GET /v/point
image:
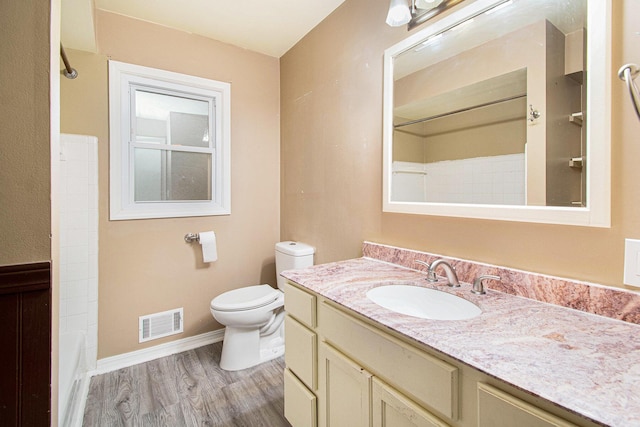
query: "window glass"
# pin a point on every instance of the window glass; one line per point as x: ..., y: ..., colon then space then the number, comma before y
x: 175, y: 119
x: 171, y: 175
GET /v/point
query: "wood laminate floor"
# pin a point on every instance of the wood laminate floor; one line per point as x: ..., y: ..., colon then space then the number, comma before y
x: 188, y: 389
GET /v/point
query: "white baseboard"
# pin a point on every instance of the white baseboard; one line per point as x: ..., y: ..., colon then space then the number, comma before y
x: 113, y: 363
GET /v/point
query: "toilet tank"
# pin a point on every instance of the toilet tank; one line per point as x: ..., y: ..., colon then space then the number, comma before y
x: 292, y: 255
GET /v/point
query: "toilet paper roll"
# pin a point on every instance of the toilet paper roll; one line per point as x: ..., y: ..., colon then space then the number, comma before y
x: 208, y: 242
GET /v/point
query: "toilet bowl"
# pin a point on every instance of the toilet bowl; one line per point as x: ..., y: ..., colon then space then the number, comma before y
x: 253, y: 316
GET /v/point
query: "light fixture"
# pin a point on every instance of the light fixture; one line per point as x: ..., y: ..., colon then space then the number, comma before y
x: 399, y: 13
x: 415, y: 12
x: 427, y: 4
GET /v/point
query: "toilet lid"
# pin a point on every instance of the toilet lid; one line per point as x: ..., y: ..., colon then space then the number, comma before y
x: 245, y: 298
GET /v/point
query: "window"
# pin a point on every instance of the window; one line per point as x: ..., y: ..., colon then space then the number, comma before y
x: 169, y: 144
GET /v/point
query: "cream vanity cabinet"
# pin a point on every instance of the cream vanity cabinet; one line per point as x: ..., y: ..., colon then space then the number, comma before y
x: 350, y: 395
x: 301, y: 358
x: 342, y: 371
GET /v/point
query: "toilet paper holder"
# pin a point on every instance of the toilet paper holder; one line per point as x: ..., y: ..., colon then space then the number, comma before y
x: 192, y: 237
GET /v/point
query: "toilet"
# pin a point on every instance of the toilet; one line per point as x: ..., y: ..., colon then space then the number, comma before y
x: 253, y: 316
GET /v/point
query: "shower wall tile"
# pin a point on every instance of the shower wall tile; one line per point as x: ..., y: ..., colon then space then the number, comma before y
x: 482, y: 180
x: 79, y: 239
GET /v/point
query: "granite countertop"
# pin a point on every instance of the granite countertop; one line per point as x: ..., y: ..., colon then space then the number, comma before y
x: 585, y: 363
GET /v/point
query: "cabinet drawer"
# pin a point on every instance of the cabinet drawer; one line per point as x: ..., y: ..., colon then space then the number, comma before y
x: 301, y: 351
x: 427, y: 380
x: 300, y: 304
x: 299, y: 403
x: 499, y: 409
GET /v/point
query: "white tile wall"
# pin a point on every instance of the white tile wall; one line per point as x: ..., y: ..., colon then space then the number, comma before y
x: 79, y: 239
x: 496, y: 180
x: 408, y: 182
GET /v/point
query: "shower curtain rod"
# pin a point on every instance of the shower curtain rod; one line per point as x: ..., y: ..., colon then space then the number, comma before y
x: 627, y: 73
x: 462, y: 110
x: 68, y: 71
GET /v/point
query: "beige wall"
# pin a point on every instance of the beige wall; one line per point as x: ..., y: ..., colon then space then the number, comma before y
x: 331, y: 86
x: 28, y: 48
x: 144, y: 265
x: 408, y: 147
x: 25, y: 213
x: 492, y: 139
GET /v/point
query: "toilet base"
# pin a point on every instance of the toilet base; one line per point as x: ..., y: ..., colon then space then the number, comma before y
x: 274, y: 350
x: 243, y: 348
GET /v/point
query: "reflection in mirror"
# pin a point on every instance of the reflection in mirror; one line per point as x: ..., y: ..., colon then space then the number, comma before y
x: 470, y: 138
x: 466, y: 137
x: 488, y: 107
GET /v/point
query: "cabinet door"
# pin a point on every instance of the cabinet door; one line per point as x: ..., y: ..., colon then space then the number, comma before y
x: 345, y: 390
x: 393, y: 409
x: 499, y: 409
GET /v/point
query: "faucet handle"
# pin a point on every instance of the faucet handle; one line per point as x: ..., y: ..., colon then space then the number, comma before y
x: 478, y: 287
x: 431, y: 275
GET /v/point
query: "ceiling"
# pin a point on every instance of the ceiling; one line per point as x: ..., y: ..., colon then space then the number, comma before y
x: 269, y: 27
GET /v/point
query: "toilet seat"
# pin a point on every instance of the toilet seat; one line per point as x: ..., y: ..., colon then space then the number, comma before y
x: 247, y: 298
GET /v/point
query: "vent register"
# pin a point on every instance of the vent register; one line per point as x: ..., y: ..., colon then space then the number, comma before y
x: 158, y: 325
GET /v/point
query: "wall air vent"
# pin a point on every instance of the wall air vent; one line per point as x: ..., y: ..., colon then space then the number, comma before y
x: 160, y: 325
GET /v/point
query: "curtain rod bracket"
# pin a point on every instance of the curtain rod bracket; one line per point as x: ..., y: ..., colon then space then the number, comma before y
x: 68, y: 72
x: 627, y: 73
x: 70, y: 75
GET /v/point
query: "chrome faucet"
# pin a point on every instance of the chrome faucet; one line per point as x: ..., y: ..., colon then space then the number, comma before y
x: 448, y: 270
x: 478, y: 287
x: 431, y: 275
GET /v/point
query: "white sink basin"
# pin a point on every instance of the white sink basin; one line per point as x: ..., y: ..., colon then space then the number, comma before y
x: 425, y: 303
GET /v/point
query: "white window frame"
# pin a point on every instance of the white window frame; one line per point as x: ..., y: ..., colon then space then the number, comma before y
x: 122, y: 77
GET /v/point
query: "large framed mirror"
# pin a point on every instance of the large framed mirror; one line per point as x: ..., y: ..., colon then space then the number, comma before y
x: 501, y: 110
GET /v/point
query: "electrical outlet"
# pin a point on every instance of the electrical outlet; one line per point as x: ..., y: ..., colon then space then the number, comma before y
x: 632, y: 262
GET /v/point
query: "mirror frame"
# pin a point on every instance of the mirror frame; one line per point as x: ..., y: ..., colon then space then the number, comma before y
x: 597, y: 213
